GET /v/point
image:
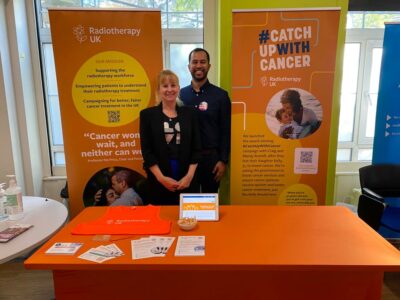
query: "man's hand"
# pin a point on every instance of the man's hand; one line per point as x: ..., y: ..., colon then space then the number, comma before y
x: 219, y: 170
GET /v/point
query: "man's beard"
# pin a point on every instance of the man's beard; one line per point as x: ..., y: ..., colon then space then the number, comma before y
x: 198, y: 79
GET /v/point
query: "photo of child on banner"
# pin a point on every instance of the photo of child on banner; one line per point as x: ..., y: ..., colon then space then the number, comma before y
x: 293, y: 114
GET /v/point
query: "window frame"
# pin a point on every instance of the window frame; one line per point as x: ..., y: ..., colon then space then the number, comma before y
x: 368, y: 39
x: 370, y: 45
x: 179, y: 36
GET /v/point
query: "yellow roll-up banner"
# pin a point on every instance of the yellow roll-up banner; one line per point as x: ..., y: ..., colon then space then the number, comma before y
x: 283, y: 64
x: 106, y: 64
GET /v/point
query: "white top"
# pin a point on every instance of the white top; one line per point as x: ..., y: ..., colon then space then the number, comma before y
x: 309, y: 117
x: 294, y: 133
x: 128, y: 198
x: 46, y: 216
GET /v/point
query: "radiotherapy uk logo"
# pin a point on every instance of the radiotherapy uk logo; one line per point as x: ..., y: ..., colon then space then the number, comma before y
x: 79, y: 33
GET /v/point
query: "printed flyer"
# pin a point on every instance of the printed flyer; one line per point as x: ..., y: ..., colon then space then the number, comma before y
x: 106, y: 64
x: 283, y: 65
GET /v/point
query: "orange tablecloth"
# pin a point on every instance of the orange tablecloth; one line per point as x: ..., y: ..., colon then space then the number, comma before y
x: 301, y: 252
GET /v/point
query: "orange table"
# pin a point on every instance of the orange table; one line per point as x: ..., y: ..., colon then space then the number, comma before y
x: 253, y: 252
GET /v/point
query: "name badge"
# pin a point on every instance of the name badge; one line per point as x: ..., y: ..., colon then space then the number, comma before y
x: 203, y: 106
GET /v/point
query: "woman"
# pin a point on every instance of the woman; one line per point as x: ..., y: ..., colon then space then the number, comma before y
x: 170, y: 141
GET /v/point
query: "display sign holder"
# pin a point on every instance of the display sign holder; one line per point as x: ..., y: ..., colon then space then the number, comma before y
x: 203, y: 207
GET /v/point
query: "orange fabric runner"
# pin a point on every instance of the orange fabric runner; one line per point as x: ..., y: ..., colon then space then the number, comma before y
x: 126, y: 220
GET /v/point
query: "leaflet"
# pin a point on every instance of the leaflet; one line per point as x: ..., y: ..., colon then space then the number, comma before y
x: 13, y: 231
x: 115, y: 250
x: 191, y: 246
x: 64, y: 248
x: 91, y: 256
x: 102, y: 253
x: 153, y: 246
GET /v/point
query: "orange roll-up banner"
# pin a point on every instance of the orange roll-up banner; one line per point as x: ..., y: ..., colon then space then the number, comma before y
x: 283, y: 64
x: 106, y: 64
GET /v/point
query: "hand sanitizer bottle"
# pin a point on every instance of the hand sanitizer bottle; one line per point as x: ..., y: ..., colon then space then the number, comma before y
x: 14, y: 199
x: 3, y: 214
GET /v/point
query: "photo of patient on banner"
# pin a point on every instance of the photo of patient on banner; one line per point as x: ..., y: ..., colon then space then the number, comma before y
x: 114, y: 186
x: 293, y: 114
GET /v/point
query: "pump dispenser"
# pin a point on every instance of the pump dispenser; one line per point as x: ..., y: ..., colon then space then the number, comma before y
x: 14, y: 199
x: 3, y: 214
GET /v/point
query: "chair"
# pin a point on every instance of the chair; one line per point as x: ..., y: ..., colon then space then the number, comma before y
x: 380, y: 186
x: 65, y: 195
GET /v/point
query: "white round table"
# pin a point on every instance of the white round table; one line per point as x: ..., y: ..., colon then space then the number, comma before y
x: 47, y: 217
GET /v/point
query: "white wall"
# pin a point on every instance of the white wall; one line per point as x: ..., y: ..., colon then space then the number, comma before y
x: 346, y: 180
x: 344, y: 184
x: 52, y: 187
x: 10, y: 153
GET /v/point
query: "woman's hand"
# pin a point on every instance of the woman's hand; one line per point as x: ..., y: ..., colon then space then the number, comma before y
x: 187, y: 179
x: 169, y: 183
x: 184, y: 182
x: 97, y: 197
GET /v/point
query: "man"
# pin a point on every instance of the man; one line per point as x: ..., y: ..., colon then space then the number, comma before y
x: 214, y: 109
x: 122, y: 185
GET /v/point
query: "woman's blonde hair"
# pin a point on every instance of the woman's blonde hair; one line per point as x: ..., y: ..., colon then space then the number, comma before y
x: 163, y: 76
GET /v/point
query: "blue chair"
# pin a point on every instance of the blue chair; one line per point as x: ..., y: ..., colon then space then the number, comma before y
x: 379, y: 202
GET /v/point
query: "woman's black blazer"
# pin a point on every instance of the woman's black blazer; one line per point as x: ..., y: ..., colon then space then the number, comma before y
x: 154, y: 146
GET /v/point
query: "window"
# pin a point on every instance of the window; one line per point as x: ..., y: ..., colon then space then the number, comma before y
x: 174, y: 14
x: 360, y: 83
x: 371, y: 19
x: 361, y: 70
x: 177, y: 45
x: 182, y: 23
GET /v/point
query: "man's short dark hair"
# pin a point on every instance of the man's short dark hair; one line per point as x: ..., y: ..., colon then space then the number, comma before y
x: 199, y: 50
